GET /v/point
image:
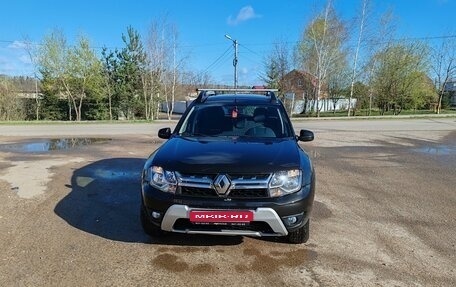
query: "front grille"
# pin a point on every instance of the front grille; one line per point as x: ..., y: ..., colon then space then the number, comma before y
x: 197, y: 176
x: 259, y: 226
x: 198, y: 192
x: 242, y: 185
x: 249, y: 193
x: 260, y: 176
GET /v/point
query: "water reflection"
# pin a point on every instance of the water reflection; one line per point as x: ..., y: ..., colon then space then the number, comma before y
x: 51, y: 145
x: 437, y: 150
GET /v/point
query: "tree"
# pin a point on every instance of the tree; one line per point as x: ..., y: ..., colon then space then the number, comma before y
x: 276, y: 65
x: 11, y: 107
x: 398, y: 70
x: 173, y: 70
x: 361, y: 93
x: 71, y: 72
x: 132, y: 62
x: 84, y: 74
x: 378, y: 40
x: 362, y: 21
x: 422, y: 94
x: 321, y: 48
x: 31, y: 52
x: 443, y: 65
x: 156, y: 52
x: 165, y: 65
x: 271, y: 74
x: 193, y: 80
x: 109, y: 75
x: 53, y: 66
x: 338, y: 81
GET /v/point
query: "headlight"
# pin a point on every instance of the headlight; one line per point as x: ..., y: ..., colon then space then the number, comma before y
x: 162, y: 179
x: 285, y: 182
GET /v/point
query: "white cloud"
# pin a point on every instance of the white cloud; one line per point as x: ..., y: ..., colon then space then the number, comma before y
x: 17, y: 45
x: 14, y: 62
x: 246, y: 13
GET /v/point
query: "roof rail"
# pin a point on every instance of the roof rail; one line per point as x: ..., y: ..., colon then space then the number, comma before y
x: 205, y: 93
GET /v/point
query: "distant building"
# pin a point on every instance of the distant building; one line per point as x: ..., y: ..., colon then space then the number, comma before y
x: 300, y: 83
x: 258, y: 87
x: 300, y: 88
x: 29, y: 94
x: 450, y: 88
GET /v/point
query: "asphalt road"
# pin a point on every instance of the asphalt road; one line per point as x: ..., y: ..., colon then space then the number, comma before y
x: 384, y: 213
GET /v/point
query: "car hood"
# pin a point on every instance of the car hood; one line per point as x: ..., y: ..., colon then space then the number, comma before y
x: 201, y: 155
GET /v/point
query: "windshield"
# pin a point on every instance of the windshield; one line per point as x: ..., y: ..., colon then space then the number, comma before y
x: 236, y: 120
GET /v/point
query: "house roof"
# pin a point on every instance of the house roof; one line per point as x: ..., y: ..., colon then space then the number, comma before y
x: 313, y: 80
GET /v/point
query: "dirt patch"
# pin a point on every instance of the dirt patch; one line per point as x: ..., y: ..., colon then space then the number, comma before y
x: 30, y: 178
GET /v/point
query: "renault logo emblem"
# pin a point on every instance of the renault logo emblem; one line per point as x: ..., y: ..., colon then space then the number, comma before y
x: 222, y: 184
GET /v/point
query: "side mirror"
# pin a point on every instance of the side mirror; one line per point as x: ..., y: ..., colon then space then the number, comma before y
x: 306, y: 136
x: 164, y: 133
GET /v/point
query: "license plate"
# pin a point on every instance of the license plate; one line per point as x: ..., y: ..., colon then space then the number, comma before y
x: 220, y: 216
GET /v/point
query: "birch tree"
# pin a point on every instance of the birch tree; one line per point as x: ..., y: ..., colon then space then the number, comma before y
x: 362, y: 21
x: 376, y: 41
x: 321, y: 48
x: 84, y: 74
x: 156, y: 52
x: 68, y: 71
x: 53, y: 66
x: 165, y: 65
x: 32, y: 54
x: 443, y: 65
x: 174, y: 71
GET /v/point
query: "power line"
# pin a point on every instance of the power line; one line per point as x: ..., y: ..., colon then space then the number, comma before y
x: 243, y: 56
x: 217, y: 60
x: 252, y: 44
x: 250, y: 50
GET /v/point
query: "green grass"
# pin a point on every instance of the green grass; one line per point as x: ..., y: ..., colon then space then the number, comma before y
x: 364, y: 113
x: 74, y: 122
x: 359, y: 113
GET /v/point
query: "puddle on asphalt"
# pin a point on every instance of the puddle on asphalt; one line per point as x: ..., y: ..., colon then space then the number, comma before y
x: 116, y: 174
x: 437, y: 150
x: 47, y: 145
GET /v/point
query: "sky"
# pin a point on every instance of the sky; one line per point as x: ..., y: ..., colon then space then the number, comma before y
x: 202, y: 26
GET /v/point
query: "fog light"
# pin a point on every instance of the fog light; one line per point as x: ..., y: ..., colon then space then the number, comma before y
x: 156, y: 215
x: 292, y: 220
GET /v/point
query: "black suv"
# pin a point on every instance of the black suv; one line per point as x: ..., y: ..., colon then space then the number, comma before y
x: 232, y: 166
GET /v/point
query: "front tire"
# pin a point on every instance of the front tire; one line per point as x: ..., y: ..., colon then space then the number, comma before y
x: 300, y: 235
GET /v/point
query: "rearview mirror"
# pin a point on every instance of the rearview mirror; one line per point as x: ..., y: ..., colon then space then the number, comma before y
x: 306, y: 136
x: 164, y: 133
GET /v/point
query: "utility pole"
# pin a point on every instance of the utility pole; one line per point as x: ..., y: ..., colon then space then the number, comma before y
x: 235, y: 60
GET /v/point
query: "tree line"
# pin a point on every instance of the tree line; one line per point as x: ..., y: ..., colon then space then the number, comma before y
x: 360, y: 59
x: 363, y: 59
x: 74, y: 83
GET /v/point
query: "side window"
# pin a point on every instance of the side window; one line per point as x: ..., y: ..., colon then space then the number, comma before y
x: 187, y: 126
x: 287, y: 131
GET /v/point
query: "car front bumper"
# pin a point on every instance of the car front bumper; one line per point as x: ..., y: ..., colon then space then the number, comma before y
x: 172, y: 212
x: 266, y: 215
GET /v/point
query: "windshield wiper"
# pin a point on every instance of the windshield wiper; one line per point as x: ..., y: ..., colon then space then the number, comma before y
x: 187, y: 134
